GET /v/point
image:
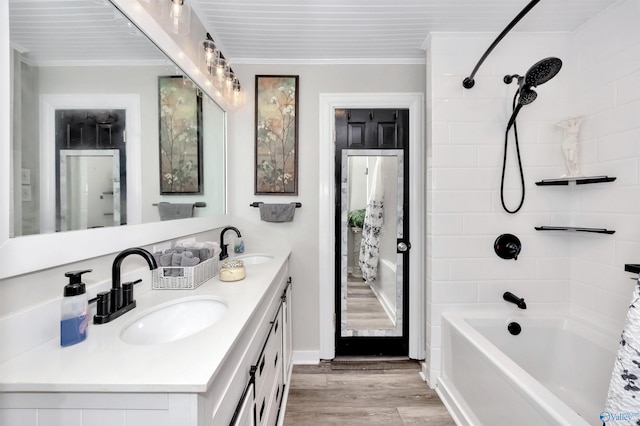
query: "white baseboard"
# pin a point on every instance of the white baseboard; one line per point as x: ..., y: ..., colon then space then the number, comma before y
x: 305, y: 357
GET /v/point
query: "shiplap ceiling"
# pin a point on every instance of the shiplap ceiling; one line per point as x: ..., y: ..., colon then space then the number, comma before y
x: 369, y: 31
x: 77, y: 32
x: 56, y: 32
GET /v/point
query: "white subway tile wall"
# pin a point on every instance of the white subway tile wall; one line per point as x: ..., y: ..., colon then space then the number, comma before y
x: 600, y: 80
x: 608, y: 95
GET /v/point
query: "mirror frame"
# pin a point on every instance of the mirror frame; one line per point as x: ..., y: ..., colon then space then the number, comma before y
x: 50, y: 250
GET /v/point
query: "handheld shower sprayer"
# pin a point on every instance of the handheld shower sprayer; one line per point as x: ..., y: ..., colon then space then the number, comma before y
x: 539, y: 73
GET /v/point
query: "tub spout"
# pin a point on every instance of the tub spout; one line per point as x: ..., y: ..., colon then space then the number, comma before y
x: 512, y: 298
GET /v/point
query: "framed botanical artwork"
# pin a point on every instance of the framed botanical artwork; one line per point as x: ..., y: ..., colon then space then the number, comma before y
x: 276, y: 131
x: 180, y: 120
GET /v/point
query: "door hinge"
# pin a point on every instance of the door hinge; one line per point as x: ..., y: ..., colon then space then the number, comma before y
x: 334, y: 319
x: 124, y: 136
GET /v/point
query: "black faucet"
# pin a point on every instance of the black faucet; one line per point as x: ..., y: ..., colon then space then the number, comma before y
x: 512, y: 298
x: 119, y: 300
x: 224, y: 254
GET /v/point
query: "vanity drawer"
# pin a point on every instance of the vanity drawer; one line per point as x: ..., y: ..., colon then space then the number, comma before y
x: 269, y: 359
x: 268, y: 401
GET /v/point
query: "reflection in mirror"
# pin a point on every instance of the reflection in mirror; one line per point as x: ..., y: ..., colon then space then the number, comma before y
x: 89, y: 189
x: 371, y: 273
x: 81, y: 61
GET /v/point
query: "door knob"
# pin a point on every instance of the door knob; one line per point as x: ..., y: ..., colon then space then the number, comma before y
x: 402, y: 246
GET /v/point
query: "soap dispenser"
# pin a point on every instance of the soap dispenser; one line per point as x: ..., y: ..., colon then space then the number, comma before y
x: 73, y: 319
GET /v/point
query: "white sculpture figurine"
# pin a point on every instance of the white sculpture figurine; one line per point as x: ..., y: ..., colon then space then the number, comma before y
x: 570, y: 129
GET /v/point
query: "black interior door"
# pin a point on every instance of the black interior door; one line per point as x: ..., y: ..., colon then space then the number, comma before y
x: 372, y: 226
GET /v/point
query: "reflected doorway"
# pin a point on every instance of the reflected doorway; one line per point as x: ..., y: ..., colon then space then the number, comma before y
x: 89, y: 189
x: 371, y: 225
x: 91, y: 174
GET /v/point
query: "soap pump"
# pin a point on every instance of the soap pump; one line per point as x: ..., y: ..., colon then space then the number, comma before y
x: 73, y: 319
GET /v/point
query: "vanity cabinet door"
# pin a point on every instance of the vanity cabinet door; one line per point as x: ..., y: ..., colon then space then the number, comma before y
x: 287, y: 347
x: 269, y: 374
x: 244, y: 415
x: 267, y: 360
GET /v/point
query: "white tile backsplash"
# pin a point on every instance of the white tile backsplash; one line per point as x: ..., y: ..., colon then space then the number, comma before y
x: 456, y: 156
x: 473, y: 133
x: 462, y: 201
x: 619, y: 145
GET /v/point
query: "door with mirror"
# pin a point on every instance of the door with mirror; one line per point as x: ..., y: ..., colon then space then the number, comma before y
x: 371, y: 232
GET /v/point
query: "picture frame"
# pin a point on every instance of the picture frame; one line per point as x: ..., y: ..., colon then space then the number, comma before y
x: 180, y: 136
x: 276, y: 135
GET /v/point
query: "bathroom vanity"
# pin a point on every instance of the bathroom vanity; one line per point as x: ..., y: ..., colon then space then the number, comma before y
x: 236, y: 371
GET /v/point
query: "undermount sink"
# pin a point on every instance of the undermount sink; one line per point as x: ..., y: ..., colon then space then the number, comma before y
x: 174, y: 321
x: 254, y: 259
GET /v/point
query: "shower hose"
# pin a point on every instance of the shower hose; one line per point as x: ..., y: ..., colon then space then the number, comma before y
x: 504, y: 160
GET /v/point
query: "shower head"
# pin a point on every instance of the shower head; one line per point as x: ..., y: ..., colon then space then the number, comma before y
x: 542, y: 71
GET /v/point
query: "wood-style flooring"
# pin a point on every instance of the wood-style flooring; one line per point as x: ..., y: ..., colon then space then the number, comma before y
x: 363, y: 395
x: 364, y: 311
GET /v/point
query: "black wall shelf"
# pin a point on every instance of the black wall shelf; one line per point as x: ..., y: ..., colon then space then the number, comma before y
x: 574, y: 229
x: 578, y: 180
x: 632, y: 267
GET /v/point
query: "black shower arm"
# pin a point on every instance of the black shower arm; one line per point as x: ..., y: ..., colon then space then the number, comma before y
x: 468, y: 82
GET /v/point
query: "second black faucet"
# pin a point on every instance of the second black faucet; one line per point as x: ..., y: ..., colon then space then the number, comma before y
x: 224, y: 247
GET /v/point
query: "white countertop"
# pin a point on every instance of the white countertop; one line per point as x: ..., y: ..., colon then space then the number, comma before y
x: 104, y: 363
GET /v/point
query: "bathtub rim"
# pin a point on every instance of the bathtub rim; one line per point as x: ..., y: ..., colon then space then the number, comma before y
x: 527, y: 384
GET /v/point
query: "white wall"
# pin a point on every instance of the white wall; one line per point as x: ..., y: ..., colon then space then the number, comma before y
x: 465, y: 134
x: 607, y: 93
x: 303, y: 231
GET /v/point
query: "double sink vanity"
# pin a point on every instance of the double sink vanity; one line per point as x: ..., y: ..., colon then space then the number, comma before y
x: 219, y: 354
x: 216, y: 355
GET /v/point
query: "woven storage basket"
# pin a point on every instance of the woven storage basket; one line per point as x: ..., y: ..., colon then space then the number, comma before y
x: 184, y: 278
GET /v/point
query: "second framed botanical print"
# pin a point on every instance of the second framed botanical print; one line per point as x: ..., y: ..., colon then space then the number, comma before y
x: 276, y: 131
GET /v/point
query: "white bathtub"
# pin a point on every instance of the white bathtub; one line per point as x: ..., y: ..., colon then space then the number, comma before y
x: 555, y: 372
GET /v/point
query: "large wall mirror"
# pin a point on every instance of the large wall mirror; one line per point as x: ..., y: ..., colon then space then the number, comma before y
x: 84, y: 79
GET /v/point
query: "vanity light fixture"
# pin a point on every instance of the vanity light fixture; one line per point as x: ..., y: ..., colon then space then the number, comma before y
x: 179, y: 17
x: 229, y: 77
x: 219, y: 65
x: 237, y: 98
x: 236, y: 88
x: 210, y: 51
x: 218, y: 69
x: 213, y: 60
